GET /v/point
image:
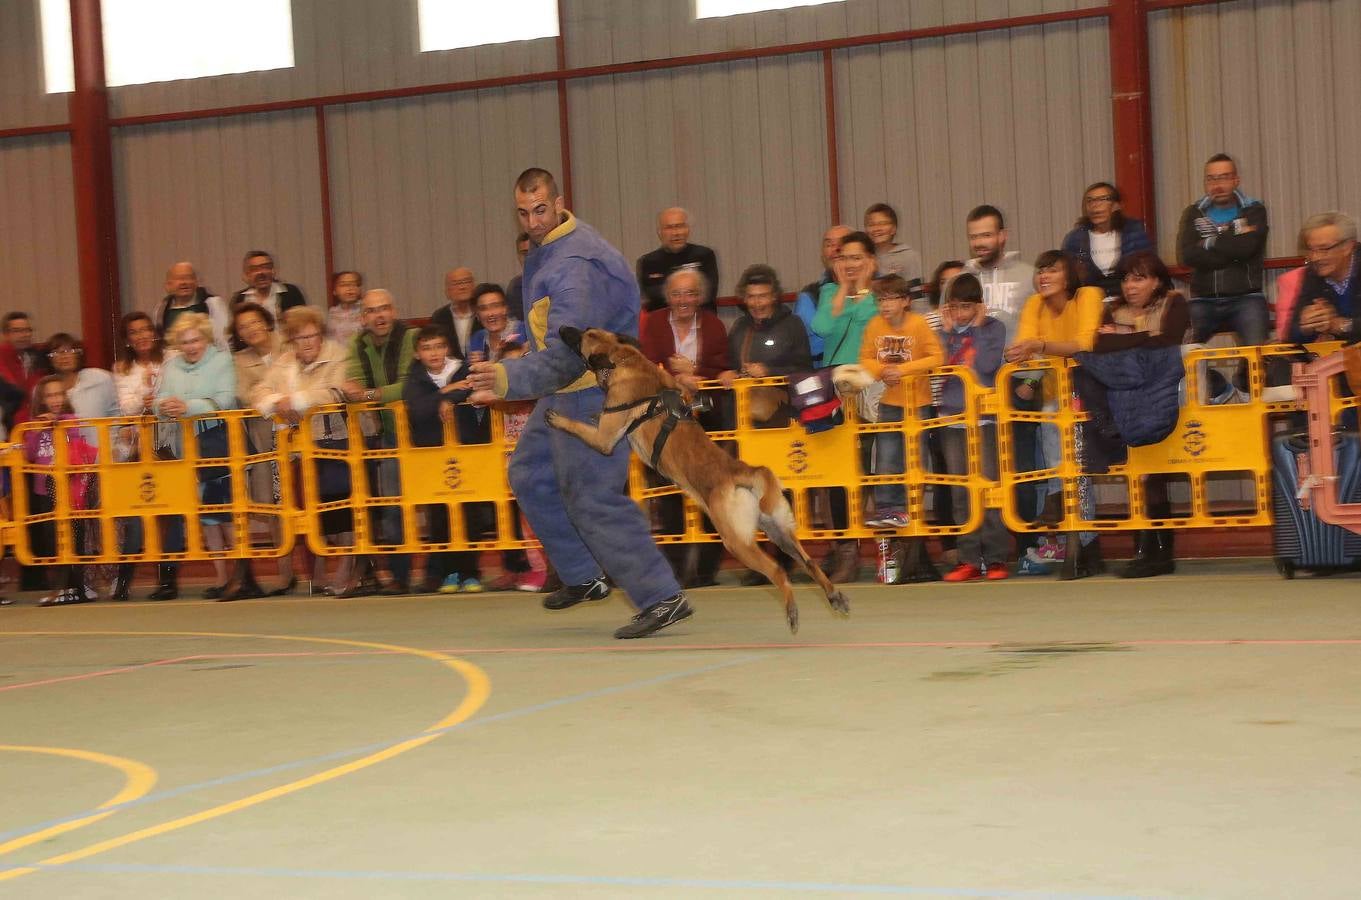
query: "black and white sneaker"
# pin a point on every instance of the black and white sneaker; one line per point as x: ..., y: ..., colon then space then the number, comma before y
x: 571, y: 595
x: 657, y: 617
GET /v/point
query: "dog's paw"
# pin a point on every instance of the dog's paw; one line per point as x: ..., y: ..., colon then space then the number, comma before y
x: 791, y: 613
x: 840, y: 603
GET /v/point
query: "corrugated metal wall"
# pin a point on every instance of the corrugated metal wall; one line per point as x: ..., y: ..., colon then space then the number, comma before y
x: 38, y: 232
x: 1020, y: 119
x: 742, y: 146
x: 422, y: 185
x: 209, y: 190
x: 1271, y: 82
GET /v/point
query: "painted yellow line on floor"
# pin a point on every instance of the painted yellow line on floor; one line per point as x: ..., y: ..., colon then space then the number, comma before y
x: 139, y: 779
x: 478, y: 690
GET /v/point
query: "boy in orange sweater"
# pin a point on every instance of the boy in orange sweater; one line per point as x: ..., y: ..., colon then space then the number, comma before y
x: 898, y: 344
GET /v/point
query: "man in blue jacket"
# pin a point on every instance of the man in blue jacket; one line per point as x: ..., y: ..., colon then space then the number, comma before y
x: 576, y: 499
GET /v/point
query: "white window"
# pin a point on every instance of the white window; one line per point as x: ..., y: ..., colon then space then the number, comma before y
x: 710, y: 9
x: 166, y: 40
x: 450, y: 24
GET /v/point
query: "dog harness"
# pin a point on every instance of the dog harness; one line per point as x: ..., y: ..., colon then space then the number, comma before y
x: 667, y: 401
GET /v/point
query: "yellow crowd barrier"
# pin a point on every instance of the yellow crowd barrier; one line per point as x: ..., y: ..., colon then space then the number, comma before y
x: 348, y: 479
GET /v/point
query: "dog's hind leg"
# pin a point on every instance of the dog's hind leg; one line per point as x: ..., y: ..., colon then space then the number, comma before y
x: 734, y: 516
x: 776, y: 519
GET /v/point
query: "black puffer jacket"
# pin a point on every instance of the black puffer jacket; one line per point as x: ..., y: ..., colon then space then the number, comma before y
x: 779, y: 343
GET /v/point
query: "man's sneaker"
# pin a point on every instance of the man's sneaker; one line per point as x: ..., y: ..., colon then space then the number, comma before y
x: 452, y: 585
x: 571, y: 595
x: 1047, y: 552
x: 506, y: 581
x: 1027, y: 566
x: 657, y: 617
x: 963, y: 572
x: 471, y: 586
x: 894, y: 519
x: 997, y: 571
x: 876, y: 518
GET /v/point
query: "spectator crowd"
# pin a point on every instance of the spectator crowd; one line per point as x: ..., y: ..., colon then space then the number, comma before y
x: 1103, y: 297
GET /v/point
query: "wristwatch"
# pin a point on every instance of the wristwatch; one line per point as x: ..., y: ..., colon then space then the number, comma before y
x: 370, y: 395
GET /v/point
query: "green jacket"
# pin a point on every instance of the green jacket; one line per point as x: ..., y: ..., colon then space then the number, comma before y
x: 384, y: 369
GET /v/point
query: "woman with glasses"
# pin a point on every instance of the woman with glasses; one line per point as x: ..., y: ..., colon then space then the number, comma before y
x: 253, y: 331
x: 1102, y: 237
x: 308, y: 372
x: 91, y: 391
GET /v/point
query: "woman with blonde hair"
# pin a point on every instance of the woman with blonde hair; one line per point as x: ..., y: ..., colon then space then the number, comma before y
x: 198, y: 381
x: 309, y: 372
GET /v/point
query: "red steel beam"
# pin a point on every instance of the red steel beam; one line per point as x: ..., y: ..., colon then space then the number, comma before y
x: 564, y: 125
x: 92, y: 169
x: 833, y: 166
x: 1132, y: 110
x: 33, y: 131
x: 649, y: 65
x: 324, y: 168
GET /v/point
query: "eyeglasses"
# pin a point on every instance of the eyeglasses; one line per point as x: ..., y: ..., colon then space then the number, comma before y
x: 1103, y: 198
x: 882, y: 297
x: 314, y: 336
x: 683, y: 295
x: 63, y: 351
x: 1320, y: 251
x: 1215, y: 179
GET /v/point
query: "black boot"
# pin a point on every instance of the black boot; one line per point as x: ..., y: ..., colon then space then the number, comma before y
x: 914, y: 564
x: 1051, y: 514
x: 169, y: 583
x: 1153, y: 556
x: 242, y: 585
x: 122, y: 582
x: 1081, y: 560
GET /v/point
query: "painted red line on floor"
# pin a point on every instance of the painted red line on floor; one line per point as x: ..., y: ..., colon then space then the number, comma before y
x: 118, y: 671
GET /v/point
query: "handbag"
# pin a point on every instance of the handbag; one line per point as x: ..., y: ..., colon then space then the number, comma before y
x: 333, y: 475
x: 814, y: 399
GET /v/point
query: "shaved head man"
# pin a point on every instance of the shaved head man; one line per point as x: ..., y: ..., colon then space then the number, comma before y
x: 675, y: 253
x: 457, y: 317
x: 184, y: 294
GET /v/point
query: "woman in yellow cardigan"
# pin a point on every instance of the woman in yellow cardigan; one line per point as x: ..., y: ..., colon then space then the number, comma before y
x: 1060, y: 319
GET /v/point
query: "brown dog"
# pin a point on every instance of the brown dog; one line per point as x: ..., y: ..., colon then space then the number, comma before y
x: 644, y: 403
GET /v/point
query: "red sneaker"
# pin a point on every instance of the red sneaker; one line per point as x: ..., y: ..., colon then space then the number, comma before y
x: 998, y: 571
x: 963, y: 572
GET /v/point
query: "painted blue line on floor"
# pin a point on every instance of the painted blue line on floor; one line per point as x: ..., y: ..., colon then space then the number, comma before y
x: 587, y: 880
x: 374, y: 748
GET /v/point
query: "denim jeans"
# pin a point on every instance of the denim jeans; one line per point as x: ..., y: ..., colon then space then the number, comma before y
x: 1244, y: 315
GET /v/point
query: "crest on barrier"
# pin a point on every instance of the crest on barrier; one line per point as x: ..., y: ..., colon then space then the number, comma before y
x: 1193, y: 439
x: 146, y: 490
x: 798, y: 457
x: 453, y: 475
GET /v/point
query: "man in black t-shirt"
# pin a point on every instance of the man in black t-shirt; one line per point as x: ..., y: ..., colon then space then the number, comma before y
x: 676, y: 252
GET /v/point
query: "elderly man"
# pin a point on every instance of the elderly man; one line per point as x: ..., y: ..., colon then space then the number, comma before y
x: 576, y: 499
x: 380, y: 358
x: 457, y: 317
x: 676, y: 252
x: 1329, y: 303
x: 184, y: 294
x: 1222, y: 239
x: 264, y: 287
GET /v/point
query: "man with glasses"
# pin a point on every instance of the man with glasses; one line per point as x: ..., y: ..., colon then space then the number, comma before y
x: 380, y: 358
x: 22, y: 365
x: 1328, y: 306
x: 457, y: 317
x: 1222, y: 239
x: 263, y: 286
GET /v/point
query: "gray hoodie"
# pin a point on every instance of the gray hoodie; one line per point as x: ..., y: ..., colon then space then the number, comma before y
x: 1005, y: 288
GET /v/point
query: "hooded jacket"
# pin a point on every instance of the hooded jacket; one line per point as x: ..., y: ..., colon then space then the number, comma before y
x: 1228, y: 264
x: 1078, y: 244
x: 1005, y: 288
x: 779, y: 343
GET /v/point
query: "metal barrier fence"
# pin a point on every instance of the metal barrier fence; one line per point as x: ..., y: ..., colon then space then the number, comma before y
x: 349, y: 479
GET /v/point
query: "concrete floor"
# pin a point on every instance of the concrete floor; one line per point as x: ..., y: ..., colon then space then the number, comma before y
x: 1191, y: 736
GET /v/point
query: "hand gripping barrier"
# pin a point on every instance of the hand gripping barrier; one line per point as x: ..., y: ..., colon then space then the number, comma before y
x: 137, y: 488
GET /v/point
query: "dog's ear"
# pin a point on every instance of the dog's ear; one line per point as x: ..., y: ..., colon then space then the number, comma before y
x: 628, y: 341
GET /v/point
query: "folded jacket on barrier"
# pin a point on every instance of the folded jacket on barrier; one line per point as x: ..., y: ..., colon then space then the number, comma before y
x: 1131, y: 397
